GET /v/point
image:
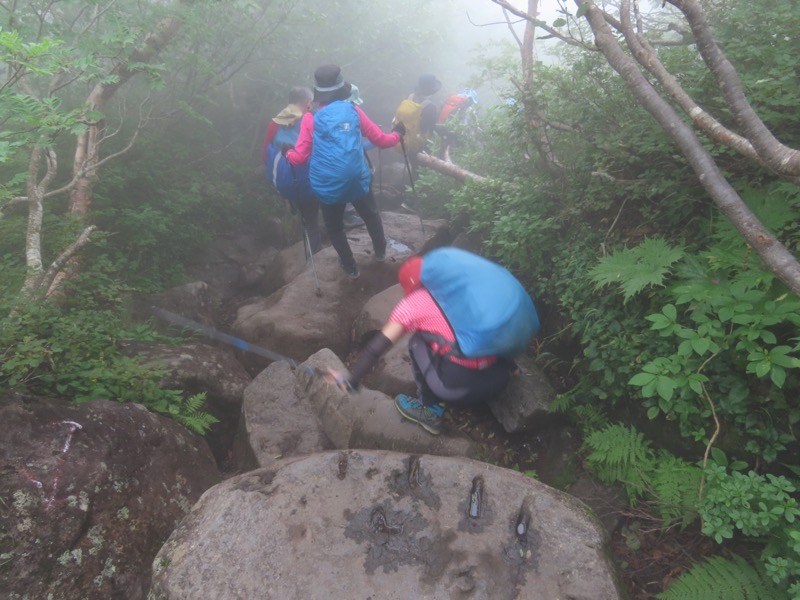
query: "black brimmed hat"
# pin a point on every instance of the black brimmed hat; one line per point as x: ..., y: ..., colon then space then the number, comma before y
x: 427, y: 85
x: 329, y: 85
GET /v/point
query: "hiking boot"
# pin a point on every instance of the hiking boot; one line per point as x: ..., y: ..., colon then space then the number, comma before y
x: 380, y: 256
x: 351, y: 270
x: 429, y: 417
x: 351, y: 221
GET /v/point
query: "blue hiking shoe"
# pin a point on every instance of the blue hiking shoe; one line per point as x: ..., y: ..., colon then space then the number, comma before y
x: 428, y: 417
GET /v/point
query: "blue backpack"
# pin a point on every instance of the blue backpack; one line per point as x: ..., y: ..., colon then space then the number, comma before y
x: 338, y: 170
x: 290, y: 181
x: 489, y: 311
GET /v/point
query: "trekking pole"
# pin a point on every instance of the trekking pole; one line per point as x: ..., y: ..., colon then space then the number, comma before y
x: 213, y: 334
x: 411, y: 179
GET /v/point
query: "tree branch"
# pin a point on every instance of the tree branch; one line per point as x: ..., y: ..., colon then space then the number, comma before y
x: 780, y: 158
x: 777, y: 258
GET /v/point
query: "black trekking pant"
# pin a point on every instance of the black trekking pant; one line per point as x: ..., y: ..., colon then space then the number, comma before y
x: 440, y: 380
x: 333, y: 216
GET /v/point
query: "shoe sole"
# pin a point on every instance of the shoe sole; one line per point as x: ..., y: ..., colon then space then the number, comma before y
x: 425, y: 426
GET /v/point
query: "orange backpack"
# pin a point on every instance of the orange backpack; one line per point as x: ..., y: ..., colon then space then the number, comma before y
x: 451, y: 105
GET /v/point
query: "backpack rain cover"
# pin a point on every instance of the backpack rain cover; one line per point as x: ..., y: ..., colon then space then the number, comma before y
x: 338, y: 170
x: 489, y: 311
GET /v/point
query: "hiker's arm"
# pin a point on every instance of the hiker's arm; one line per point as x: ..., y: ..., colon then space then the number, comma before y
x: 374, y: 134
x: 369, y: 356
x: 301, y: 152
x: 372, y: 352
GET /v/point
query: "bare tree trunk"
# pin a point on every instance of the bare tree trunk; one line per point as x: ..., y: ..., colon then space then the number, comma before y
x: 779, y: 260
x: 88, y: 143
x: 87, y: 152
x: 33, y: 236
x: 778, y: 157
x: 448, y: 168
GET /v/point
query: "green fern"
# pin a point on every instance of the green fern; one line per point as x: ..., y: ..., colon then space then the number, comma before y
x: 591, y: 417
x: 621, y: 454
x: 634, y: 269
x: 188, y: 414
x: 676, y: 487
x: 722, y: 579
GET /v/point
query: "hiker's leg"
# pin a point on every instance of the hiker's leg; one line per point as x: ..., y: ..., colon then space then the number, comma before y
x: 367, y: 209
x: 422, y: 359
x: 309, y: 213
x: 442, y: 380
x: 332, y: 215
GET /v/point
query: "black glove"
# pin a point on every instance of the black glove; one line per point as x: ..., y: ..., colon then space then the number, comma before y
x: 285, y: 148
x: 399, y: 128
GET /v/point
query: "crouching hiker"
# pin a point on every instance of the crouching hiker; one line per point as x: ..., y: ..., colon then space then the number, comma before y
x: 338, y: 170
x: 468, y: 316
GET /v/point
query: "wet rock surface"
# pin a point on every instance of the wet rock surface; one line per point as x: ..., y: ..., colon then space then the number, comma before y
x: 90, y: 494
x: 361, y: 524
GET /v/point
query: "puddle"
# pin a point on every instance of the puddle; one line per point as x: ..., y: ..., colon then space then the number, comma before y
x: 398, y: 247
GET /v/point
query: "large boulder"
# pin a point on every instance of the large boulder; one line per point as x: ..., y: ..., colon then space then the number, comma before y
x: 90, y: 493
x: 288, y: 413
x: 234, y: 261
x: 277, y: 422
x: 525, y: 404
x: 374, y: 524
x: 202, y: 368
x: 317, y: 308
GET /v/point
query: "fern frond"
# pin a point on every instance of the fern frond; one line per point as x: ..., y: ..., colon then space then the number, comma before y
x: 192, y: 404
x: 590, y: 417
x: 562, y: 403
x: 676, y: 485
x: 190, y: 416
x: 722, y: 579
x: 620, y: 454
x: 635, y: 269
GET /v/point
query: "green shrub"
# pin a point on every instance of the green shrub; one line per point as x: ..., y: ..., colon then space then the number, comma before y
x: 73, y: 354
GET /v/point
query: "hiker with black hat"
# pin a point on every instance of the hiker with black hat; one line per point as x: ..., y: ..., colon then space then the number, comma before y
x: 331, y: 139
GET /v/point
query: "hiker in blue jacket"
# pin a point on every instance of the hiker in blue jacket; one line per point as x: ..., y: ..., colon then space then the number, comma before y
x: 338, y: 170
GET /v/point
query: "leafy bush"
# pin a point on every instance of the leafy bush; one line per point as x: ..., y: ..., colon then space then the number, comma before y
x: 73, y: 354
x: 722, y: 579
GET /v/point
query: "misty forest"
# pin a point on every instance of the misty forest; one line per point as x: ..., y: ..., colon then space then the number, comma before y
x: 634, y: 163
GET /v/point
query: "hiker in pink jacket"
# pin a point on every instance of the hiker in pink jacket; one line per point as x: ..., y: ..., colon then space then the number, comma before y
x: 331, y: 139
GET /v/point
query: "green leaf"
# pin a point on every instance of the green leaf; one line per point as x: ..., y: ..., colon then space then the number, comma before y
x: 635, y: 269
x: 665, y: 387
x: 641, y: 379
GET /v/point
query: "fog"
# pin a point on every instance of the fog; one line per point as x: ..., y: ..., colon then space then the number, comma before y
x: 477, y: 31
